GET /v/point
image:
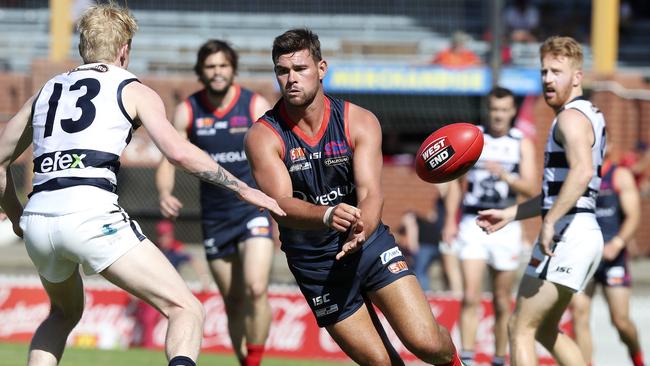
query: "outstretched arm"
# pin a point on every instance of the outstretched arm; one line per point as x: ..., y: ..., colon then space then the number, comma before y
x: 166, y: 173
x: 494, y: 219
x: 143, y: 103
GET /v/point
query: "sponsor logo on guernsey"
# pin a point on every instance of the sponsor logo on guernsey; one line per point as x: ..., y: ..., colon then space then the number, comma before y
x: 337, y: 160
x: 300, y: 167
x: 437, y: 153
x: 327, y: 199
x: 390, y: 254
x: 59, y: 160
x: 336, y: 148
x: 238, y: 124
x: 229, y: 157
x: 297, y: 154
x: 397, y: 267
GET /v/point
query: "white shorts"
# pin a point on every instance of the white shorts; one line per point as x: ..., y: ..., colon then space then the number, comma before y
x: 501, y: 249
x: 577, y: 253
x: 94, y: 238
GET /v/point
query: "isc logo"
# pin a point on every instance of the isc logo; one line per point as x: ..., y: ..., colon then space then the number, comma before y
x: 437, y: 153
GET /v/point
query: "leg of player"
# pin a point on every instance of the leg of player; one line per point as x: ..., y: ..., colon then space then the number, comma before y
x: 451, y: 266
x: 618, y: 299
x: 228, y: 275
x: 146, y: 273
x: 473, y: 270
x: 409, y: 314
x: 373, y: 348
x: 540, y: 305
x: 257, y: 258
x: 581, y: 312
x: 67, y: 305
x: 502, y: 282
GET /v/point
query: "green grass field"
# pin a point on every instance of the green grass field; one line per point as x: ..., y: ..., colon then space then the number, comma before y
x: 13, y: 354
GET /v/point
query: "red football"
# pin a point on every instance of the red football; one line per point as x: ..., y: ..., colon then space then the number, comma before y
x: 449, y: 152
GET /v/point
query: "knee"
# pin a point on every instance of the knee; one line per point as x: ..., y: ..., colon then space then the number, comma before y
x: 234, y: 302
x: 378, y: 358
x: 433, y: 353
x: 471, y: 300
x: 256, y: 290
x: 195, y: 307
x: 437, y: 349
x: 620, y: 322
x: 69, y: 317
x: 501, y: 304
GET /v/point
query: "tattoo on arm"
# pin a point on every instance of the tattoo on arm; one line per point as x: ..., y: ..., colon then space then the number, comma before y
x: 220, y: 178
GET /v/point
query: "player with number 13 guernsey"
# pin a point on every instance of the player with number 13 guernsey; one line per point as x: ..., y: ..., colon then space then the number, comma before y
x: 79, y: 124
x: 320, y: 158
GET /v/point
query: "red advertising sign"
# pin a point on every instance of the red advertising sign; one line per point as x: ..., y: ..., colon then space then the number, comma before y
x: 109, y: 321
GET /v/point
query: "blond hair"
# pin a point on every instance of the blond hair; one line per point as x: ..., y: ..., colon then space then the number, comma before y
x: 563, y: 46
x: 103, y: 29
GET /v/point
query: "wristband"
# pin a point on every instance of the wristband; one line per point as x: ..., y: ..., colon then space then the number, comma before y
x: 327, y: 218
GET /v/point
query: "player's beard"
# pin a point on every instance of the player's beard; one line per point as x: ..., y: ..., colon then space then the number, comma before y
x: 218, y: 92
x: 303, y: 100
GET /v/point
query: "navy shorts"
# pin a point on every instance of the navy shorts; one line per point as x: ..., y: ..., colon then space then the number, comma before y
x: 220, y: 237
x: 614, y: 273
x: 334, y: 289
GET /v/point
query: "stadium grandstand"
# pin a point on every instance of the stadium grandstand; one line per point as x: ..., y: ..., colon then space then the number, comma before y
x: 380, y: 56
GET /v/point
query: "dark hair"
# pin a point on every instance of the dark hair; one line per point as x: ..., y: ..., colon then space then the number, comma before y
x: 295, y: 40
x: 500, y: 92
x: 211, y: 47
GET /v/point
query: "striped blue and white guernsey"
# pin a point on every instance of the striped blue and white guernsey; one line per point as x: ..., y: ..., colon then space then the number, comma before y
x: 556, y: 166
x: 484, y: 190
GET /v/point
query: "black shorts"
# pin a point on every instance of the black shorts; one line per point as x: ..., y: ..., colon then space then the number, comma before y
x: 614, y: 273
x: 334, y: 289
x: 221, y: 240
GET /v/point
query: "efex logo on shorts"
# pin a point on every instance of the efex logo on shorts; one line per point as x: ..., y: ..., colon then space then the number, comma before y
x: 437, y: 153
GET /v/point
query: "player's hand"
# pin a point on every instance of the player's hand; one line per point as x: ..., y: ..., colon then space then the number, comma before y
x: 170, y: 206
x: 547, y: 238
x: 613, y: 248
x: 261, y: 200
x: 494, y: 168
x: 494, y: 219
x: 449, y: 231
x: 355, y: 241
x: 343, y: 217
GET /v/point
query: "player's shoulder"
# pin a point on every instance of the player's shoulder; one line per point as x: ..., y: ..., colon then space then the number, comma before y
x: 359, y: 114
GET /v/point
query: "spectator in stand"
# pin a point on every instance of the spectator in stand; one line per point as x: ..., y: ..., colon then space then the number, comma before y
x: 424, y: 235
x: 457, y: 55
x: 147, y: 317
x: 522, y: 21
